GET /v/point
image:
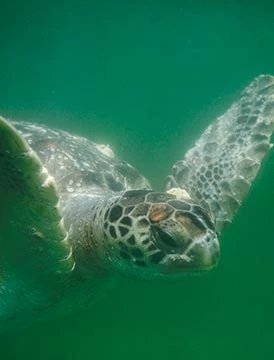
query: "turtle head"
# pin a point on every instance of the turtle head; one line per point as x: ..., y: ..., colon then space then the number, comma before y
x: 152, y: 233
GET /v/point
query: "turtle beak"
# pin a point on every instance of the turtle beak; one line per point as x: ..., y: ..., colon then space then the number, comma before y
x: 201, y: 254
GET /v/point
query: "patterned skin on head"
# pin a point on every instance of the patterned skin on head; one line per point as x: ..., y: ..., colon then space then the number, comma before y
x: 159, y: 233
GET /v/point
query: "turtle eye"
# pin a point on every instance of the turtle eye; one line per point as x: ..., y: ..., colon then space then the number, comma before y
x: 164, y: 240
x: 167, y: 239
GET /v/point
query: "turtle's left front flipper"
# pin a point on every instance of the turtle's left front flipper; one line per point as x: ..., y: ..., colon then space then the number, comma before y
x: 35, y: 257
x: 219, y: 170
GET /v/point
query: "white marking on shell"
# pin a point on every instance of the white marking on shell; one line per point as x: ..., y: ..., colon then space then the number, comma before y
x: 179, y: 193
x: 85, y: 164
x: 55, y: 132
x: 105, y: 149
x: 38, y: 128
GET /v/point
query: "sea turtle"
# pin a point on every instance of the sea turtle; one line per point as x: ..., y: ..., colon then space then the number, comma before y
x: 73, y: 215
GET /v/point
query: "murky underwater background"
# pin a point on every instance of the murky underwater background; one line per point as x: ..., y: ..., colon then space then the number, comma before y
x: 147, y: 78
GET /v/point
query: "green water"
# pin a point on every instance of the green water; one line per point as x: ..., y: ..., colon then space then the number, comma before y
x: 148, y: 79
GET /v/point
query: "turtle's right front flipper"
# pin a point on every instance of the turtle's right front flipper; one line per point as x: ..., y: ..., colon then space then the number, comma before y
x: 221, y: 167
x: 35, y: 257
